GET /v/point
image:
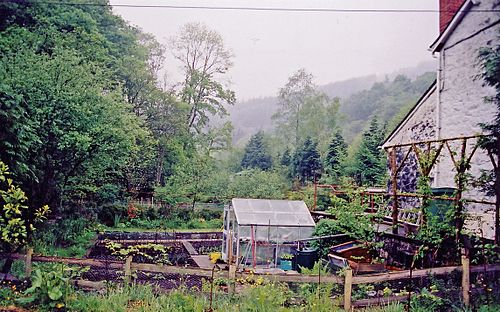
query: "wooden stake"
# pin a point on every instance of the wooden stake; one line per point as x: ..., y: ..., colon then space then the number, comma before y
x: 27, y: 263
x: 232, y: 277
x: 348, y: 289
x: 465, y: 280
x: 127, y: 271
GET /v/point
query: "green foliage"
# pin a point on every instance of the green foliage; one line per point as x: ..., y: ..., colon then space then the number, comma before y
x: 489, y: 58
x: 304, y: 111
x: 257, y: 153
x: 155, y: 252
x: 369, y: 159
x: 389, y: 100
x: 70, y: 237
x: 349, y: 217
x: 258, y: 184
x: 174, y: 218
x: 51, y: 286
x: 15, y: 224
x: 436, y: 228
x: 306, y: 162
x: 61, y: 75
x: 334, y: 159
x: 205, y: 60
x: 189, y: 181
x: 426, y: 301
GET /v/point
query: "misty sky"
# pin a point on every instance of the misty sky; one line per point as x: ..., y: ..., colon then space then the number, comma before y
x: 269, y: 46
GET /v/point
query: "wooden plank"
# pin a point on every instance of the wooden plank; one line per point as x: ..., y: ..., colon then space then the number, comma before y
x: 176, y: 270
x: 189, y: 247
x: 159, y: 241
x: 83, y: 262
x: 299, y: 278
x: 378, y: 301
x: 382, y: 277
x: 89, y: 284
x: 203, y: 261
x: 373, y: 278
x: 485, y: 268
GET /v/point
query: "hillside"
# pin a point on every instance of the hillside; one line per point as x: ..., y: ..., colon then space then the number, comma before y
x: 361, y: 98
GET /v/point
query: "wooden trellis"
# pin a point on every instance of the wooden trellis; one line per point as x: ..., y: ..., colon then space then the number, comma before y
x: 427, y: 153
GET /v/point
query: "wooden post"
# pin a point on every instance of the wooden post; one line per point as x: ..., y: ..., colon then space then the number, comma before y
x: 497, y: 192
x: 127, y: 270
x: 394, y: 183
x: 230, y: 247
x: 27, y: 263
x: 347, y: 289
x: 315, y: 192
x: 466, y: 280
x: 232, y: 278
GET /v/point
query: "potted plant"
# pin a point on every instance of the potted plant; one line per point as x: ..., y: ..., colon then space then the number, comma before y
x: 286, y: 262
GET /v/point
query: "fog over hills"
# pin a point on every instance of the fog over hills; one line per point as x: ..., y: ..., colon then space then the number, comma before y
x: 248, y: 117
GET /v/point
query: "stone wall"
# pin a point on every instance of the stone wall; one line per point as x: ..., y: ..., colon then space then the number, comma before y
x: 462, y: 107
x: 420, y: 124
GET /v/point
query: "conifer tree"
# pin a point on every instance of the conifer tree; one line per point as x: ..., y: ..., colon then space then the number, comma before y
x: 307, y: 161
x: 369, y: 159
x: 337, y: 151
x: 286, y: 159
x: 257, y: 154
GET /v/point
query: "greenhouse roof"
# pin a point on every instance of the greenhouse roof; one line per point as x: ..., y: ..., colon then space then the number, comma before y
x: 272, y: 212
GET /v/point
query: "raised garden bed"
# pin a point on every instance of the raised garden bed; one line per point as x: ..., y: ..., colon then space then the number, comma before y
x: 176, y: 255
x: 159, y: 235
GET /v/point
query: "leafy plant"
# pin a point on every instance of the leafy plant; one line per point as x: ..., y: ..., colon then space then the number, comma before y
x: 286, y: 256
x: 51, y: 286
x: 154, y: 252
x: 426, y: 301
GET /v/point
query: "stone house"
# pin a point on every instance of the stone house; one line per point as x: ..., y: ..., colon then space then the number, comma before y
x: 453, y: 108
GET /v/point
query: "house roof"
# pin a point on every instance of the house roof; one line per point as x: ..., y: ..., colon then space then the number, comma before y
x: 420, y: 101
x: 444, y: 35
x: 286, y: 213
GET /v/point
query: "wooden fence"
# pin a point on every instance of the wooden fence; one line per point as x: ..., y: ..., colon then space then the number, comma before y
x: 348, y: 280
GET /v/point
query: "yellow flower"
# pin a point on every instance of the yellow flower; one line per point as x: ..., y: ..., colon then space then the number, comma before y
x: 59, y: 305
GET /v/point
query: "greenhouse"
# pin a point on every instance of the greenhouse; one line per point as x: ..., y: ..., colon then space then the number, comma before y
x: 259, y: 232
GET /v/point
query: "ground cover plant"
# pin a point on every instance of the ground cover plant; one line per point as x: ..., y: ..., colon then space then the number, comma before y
x: 269, y: 297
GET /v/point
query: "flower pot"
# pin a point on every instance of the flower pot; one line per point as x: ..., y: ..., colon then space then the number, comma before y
x: 286, y: 265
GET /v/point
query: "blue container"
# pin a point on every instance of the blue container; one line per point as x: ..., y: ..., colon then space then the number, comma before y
x: 286, y: 265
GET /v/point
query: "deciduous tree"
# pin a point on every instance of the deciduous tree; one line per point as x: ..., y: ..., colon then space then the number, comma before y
x: 205, y: 60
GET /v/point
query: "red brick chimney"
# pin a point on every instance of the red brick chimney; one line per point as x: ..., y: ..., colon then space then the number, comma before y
x: 447, y: 9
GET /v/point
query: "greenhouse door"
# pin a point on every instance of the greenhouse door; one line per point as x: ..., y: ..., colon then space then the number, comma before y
x: 228, y: 237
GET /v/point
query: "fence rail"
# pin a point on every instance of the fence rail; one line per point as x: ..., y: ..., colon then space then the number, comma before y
x: 348, y: 280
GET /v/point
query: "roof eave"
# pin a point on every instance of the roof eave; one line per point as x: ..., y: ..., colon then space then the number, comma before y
x: 441, y: 39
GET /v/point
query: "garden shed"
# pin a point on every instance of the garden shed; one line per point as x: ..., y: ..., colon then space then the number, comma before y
x: 261, y: 231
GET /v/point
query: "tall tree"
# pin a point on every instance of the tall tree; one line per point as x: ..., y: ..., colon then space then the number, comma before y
x: 337, y: 151
x: 369, y: 159
x: 205, y: 61
x: 305, y: 111
x: 286, y: 158
x: 307, y: 161
x: 292, y: 98
x: 257, y: 153
x: 61, y: 92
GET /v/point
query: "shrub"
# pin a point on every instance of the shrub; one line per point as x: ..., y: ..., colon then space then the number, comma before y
x: 106, y: 213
